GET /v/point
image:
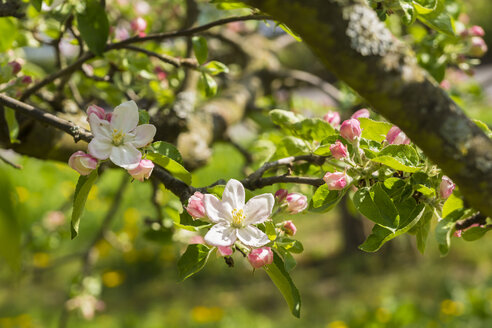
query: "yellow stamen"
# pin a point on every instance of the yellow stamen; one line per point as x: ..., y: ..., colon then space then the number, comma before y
x: 237, y: 218
x: 118, y: 137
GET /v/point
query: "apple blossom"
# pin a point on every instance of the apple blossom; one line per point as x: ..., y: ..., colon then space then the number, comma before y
x: 83, y: 163
x: 260, y: 256
x: 139, y: 25
x: 224, y: 250
x: 338, y: 150
x: 99, y: 111
x: 26, y: 79
x: 336, y: 180
x: 296, y: 203
x: 350, y: 129
x: 119, y: 139
x: 281, y: 194
x: 143, y: 170
x: 233, y: 219
x: 289, y: 228
x: 396, y: 136
x: 196, y: 240
x: 195, y: 206
x: 333, y: 118
x: 16, y: 67
x: 446, y: 188
x: 478, y: 47
x: 361, y: 113
x: 476, y: 30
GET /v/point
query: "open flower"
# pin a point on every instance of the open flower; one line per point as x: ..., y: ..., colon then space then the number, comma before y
x: 119, y: 139
x: 233, y: 219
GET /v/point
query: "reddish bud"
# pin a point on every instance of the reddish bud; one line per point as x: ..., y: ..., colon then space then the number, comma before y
x: 361, y: 113
x: 139, y: 25
x: 260, y: 256
x: 296, y: 203
x: 224, y: 250
x: 26, y: 79
x: 195, y: 207
x: 478, y: 47
x: 350, y: 129
x: 289, y: 228
x: 16, y: 67
x: 336, y: 180
x: 476, y: 30
x: 338, y: 150
x: 82, y: 162
x: 281, y: 194
x: 396, y: 136
x: 446, y: 188
x: 143, y: 170
x: 333, y: 118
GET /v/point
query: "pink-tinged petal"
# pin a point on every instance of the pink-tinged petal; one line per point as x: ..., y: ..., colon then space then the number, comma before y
x: 125, y: 116
x: 100, y: 128
x: 100, y: 148
x: 125, y: 156
x: 252, y: 236
x: 258, y: 209
x: 224, y: 250
x: 216, y: 210
x: 143, y: 135
x: 221, y: 235
x: 234, y: 194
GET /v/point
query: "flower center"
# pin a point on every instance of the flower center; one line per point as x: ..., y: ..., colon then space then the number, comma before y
x: 118, y: 137
x: 237, y: 218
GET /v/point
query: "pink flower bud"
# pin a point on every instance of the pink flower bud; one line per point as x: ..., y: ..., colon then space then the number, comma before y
x: 96, y: 110
x: 289, y: 228
x: 139, y: 25
x: 16, y: 67
x: 161, y: 74
x: 224, y: 250
x: 338, y: 150
x: 82, y: 162
x: 350, y: 129
x: 478, y: 47
x: 143, y: 170
x: 396, y: 136
x: 446, y: 188
x: 121, y: 33
x: 445, y: 84
x: 476, y: 30
x: 333, y: 118
x: 361, y: 113
x: 195, y: 207
x: 281, y: 194
x: 108, y: 117
x: 26, y: 79
x: 336, y: 180
x: 260, y: 256
x: 197, y: 240
x: 296, y: 203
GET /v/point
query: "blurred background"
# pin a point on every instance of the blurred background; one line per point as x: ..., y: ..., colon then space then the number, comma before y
x: 134, y: 274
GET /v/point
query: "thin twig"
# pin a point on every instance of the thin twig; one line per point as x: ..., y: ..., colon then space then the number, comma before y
x: 176, y: 62
x: 7, y: 161
x: 477, y: 218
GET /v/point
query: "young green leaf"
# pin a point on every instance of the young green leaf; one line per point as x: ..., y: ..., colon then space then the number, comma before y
x: 377, y: 206
x: 324, y: 199
x: 200, y: 49
x: 193, y: 260
x: 474, y: 233
x: 84, y: 185
x: 143, y: 117
x: 281, y: 278
x: 445, y: 228
x: 12, y: 124
x: 170, y: 165
x: 168, y: 150
x: 94, y: 26
x: 437, y: 18
x: 399, y: 157
x: 214, y: 68
x: 374, y: 130
x: 209, y: 84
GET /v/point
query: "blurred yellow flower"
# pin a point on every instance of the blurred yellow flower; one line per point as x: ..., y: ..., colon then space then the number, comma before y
x: 41, y: 260
x: 22, y: 193
x: 203, y: 314
x: 383, y: 315
x: 450, y: 307
x: 113, y: 278
x: 337, y: 324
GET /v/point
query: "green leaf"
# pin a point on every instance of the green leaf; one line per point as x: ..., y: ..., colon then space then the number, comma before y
x: 12, y: 124
x: 270, y: 230
x: 10, y: 232
x: 452, y: 204
x: 423, y: 228
x: 437, y: 19
x: 175, y: 168
x: 8, y: 32
x: 328, y: 199
x: 168, y: 150
x: 82, y: 190
x: 290, y: 32
x: 399, y: 157
x: 209, y: 84
x: 37, y: 4
x: 377, y: 206
x: 94, y: 26
x: 283, y: 118
x: 193, y: 260
x: 281, y: 278
x: 374, y: 130
x: 214, y: 68
x: 291, y: 245
x: 424, y: 7
x: 484, y: 128
x: 292, y: 146
x: 143, y: 117
x: 474, y: 233
x: 313, y: 129
x: 409, y: 14
x: 200, y: 48
x: 217, y: 190
x: 445, y: 229
x: 185, y: 219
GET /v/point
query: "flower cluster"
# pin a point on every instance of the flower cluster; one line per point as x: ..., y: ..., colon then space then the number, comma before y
x: 118, y: 137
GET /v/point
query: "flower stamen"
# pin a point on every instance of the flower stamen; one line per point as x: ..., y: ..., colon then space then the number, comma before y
x: 237, y: 218
x: 117, y: 137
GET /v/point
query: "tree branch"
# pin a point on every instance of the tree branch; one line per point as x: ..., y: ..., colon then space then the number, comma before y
x: 176, y: 62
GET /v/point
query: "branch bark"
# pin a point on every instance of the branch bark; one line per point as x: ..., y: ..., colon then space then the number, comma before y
x: 385, y: 72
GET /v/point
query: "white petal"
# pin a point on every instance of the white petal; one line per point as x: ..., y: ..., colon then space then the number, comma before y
x: 100, y: 148
x: 126, y: 156
x: 125, y: 117
x: 143, y: 135
x: 252, y: 236
x: 220, y: 235
x: 234, y: 194
x: 216, y: 210
x: 259, y: 208
x: 100, y: 128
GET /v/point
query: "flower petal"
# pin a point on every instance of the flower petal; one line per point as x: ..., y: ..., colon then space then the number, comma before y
x: 216, y: 210
x: 125, y: 116
x: 234, y: 194
x: 100, y: 128
x: 259, y: 208
x: 126, y: 156
x: 100, y: 148
x: 143, y: 135
x: 252, y: 236
x: 221, y: 235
